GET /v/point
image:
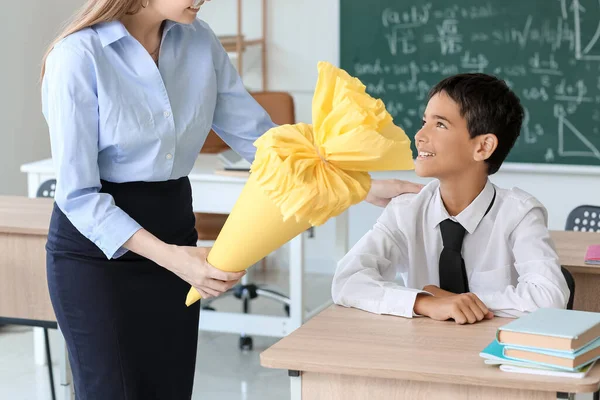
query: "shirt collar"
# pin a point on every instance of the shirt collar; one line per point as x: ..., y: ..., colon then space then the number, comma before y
x: 170, y: 24
x: 112, y: 31
x: 471, y: 216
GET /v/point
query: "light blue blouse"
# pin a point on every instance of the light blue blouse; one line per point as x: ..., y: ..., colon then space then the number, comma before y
x: 114, y: 115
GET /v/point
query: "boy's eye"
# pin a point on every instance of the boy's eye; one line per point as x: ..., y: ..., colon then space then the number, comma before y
x: 441, y: 125
x: 423, y: 123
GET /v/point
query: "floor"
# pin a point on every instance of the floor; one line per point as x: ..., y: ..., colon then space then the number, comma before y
x: 223, y: 372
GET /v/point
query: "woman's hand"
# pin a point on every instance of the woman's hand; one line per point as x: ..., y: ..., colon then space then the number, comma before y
x: 189, y: 263
x: 382, y: 191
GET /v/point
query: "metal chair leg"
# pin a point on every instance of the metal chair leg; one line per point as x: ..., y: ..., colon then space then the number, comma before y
x: 49, y: 359
x: 566, y: 396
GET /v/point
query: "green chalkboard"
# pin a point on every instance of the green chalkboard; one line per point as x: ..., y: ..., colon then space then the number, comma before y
x: 548, y: 51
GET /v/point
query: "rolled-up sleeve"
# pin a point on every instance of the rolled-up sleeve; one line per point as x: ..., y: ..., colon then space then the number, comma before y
x: 70, y: 106
x: 238, y: 119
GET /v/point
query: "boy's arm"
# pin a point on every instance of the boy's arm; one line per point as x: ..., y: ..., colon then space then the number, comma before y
x: 365, y: 277
x: 541, y: 283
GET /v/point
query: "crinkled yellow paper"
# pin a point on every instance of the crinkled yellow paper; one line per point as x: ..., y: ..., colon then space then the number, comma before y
x: 316, y: 172
x: 305, y: 174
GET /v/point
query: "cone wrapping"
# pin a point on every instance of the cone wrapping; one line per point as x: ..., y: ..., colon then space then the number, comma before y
x: 254, y: 229
x: 305, y: 174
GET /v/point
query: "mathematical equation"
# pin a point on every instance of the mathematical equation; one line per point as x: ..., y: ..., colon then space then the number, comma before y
x: 536, y: 55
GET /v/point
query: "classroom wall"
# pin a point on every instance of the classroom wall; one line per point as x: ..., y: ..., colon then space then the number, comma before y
x: 27, y: 28
x: 303, y: 33
x: 300, y: 33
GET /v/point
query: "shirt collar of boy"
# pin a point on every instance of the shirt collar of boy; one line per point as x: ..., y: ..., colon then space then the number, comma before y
x: 471, y: 216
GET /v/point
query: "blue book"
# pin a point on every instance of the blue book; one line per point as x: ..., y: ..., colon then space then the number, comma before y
x: 569, y: 361
x: 494, y: 355
x: 552, y: 329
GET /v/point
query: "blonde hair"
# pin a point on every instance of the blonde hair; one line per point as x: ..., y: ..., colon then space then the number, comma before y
x: 94, y: 12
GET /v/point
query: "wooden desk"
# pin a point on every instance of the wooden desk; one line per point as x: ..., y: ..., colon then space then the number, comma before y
x: 24, y: 297
x: 350, y: 354
x: 571, y: 248
x: 23, y: 286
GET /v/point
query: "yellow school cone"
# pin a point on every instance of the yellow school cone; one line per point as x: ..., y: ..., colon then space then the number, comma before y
x: 254, y: 229
x: 304, y: 174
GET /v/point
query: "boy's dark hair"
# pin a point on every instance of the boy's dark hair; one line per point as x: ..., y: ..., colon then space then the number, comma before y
x: 489, y: 106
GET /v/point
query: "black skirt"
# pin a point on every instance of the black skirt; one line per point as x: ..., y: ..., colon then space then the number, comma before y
x: 128, y: 331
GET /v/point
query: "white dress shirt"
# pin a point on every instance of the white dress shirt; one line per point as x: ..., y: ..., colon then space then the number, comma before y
x: 510, y: 260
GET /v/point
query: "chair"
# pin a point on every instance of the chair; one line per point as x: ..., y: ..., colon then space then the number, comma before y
x: 280, y: 107
x: 571, y: 285
x: 584, y: 219
x: 47, y: 189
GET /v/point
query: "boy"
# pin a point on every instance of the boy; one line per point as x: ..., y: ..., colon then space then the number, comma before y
x: 465, y: 249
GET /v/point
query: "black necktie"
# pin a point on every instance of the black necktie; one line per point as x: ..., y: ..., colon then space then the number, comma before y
x: 453, y: 274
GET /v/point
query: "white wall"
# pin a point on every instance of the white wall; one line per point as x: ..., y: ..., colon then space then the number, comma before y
x: 301, y: 33
x: 27, y: 28
x: 305, y: 32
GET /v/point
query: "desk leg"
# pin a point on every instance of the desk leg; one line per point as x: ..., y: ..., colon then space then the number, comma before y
x: 295, y: 385
x: 587, y: 296
x: 296, y: 282
x: 39, y: 346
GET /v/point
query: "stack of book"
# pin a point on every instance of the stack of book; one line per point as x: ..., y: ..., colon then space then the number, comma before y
x: 548, y: 342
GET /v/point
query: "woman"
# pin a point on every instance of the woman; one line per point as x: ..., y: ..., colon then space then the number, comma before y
x: 130, y: 91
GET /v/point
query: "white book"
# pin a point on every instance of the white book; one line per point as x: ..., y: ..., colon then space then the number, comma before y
x: 550, y: 372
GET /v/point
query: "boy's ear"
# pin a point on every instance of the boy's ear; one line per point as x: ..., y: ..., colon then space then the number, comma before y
x: 485, y: 146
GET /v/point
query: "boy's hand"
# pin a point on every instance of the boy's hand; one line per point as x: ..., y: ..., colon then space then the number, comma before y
x: 462, y: 308
x: 437, y: 292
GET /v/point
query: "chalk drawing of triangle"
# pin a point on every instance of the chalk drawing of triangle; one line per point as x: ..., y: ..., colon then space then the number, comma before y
x: 577, y: 145
x: 578, y: 21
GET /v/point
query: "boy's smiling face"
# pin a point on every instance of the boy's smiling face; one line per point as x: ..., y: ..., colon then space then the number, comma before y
x: 445, y: 147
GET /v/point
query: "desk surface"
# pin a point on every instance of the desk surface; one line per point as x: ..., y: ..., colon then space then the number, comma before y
x: 24, y: 215
x: 571, y: 248
x: 353, y: 342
